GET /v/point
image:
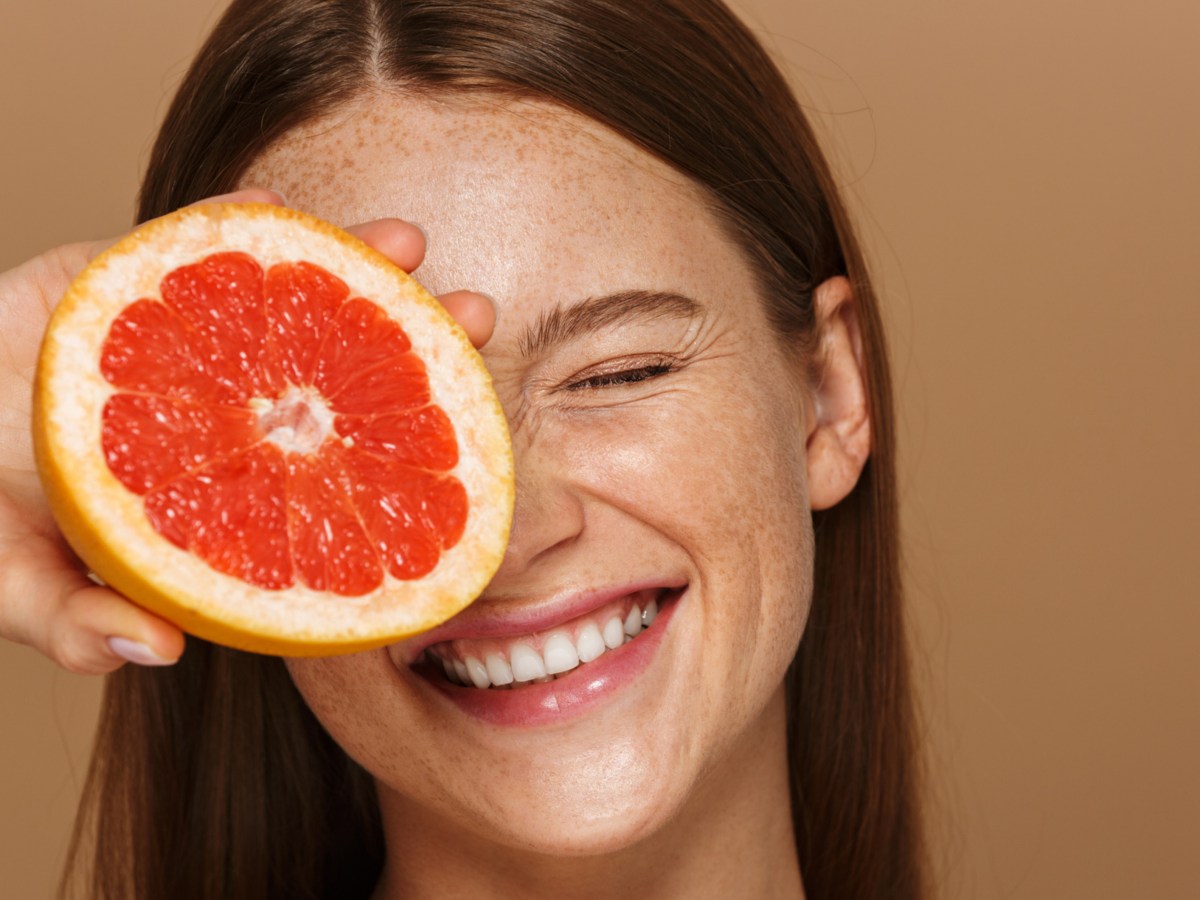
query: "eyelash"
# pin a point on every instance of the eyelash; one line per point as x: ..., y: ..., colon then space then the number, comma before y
x: 620, y: 377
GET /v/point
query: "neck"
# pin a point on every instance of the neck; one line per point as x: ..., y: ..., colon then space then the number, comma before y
x: 733, y: 838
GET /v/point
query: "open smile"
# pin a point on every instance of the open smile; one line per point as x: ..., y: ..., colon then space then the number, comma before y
x: 535, y: 677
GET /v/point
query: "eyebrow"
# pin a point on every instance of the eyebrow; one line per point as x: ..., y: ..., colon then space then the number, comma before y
x: 558, y: 325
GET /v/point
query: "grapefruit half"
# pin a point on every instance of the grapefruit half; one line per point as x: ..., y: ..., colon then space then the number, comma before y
x: 258, y: 427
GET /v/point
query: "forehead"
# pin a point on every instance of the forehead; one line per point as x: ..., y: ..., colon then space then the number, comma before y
x: 504, y: 189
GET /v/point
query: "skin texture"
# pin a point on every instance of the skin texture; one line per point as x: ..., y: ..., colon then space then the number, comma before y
x: 677, y: 784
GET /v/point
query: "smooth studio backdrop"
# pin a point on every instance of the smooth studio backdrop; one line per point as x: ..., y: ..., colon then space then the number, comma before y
x: 1026, y: 179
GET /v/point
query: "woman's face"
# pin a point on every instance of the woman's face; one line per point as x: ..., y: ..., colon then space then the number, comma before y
x: 659, y: 435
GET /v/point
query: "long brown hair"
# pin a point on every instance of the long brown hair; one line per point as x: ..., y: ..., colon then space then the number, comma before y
x: 212, y: 778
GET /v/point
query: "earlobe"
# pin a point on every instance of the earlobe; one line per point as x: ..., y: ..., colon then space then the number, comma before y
x: 839, y: 433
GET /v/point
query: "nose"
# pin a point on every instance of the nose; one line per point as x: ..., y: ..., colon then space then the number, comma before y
x: 547, y: 514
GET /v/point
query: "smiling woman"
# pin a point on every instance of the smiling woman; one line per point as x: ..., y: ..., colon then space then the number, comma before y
x: 693, y: 649
x: 647, y: 436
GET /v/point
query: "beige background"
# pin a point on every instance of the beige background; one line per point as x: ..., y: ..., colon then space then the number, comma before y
x: 1027, y: 179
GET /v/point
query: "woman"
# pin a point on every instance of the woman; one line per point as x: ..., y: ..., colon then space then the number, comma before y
x: 689, y: 352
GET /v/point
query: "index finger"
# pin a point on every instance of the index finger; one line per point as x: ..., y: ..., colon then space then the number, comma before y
x: 400, y: 241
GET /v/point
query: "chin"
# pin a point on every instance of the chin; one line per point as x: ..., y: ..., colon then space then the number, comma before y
x: 599, y: 824
x: 591, y: 802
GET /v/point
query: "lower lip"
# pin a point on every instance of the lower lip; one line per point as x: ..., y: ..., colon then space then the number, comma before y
x: 578, y: 691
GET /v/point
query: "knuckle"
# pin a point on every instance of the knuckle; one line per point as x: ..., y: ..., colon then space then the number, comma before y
x: 64, y: 650
x: 71, y: 647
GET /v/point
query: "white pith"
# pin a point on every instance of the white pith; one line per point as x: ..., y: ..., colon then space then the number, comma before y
x: 547, y: 655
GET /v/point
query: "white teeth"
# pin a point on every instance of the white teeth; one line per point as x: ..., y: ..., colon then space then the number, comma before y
x: 590, y: 643
x: 560, y: 654
x: 478, y: 672
x: 460, y: 669
x: 649, y: 613
x: 614, y: 633
x: 527, y: 663
x: 498, y: 670
x: 633, y: 621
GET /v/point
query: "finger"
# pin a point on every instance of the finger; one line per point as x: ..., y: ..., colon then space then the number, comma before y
x: 245, y: 195
x: 71, y: 619
x: 401, y: 242
x: 474, y: 312
x: 97, y: 631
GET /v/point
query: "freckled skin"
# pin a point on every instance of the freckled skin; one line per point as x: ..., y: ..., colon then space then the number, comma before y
x: 698, y: 473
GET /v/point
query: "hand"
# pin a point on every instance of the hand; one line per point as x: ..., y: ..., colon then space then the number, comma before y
x: 46, y: 598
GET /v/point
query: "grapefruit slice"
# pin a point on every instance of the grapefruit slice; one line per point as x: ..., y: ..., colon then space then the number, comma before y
x: 258, y: 427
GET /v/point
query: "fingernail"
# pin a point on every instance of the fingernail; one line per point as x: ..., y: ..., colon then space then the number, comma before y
x: 136, y: 652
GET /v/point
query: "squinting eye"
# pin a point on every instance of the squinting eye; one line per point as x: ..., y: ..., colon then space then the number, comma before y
x: 620, y: 377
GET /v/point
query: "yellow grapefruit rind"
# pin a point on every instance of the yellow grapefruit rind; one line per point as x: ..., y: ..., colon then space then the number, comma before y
x: 105, y: 523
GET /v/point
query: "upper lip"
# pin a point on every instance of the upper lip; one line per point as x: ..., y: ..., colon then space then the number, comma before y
x: 498, y: 619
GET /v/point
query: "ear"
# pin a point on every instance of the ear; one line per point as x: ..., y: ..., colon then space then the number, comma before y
x: 839, y: 427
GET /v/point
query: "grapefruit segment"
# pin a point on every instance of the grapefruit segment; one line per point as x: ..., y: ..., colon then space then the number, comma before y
x: 330, y: 546
x: 231, y: 514
x: 365, y: 365
x: 423, y: 438
x: 301, y: 301
x: 150, y: 439
x: 258, y: 427
x: 410, y: 513
x: 150, y: 348
x: 221, y: 298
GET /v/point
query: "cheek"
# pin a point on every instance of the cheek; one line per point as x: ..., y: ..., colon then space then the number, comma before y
x: 374, y: 717
x: 721, y: 476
